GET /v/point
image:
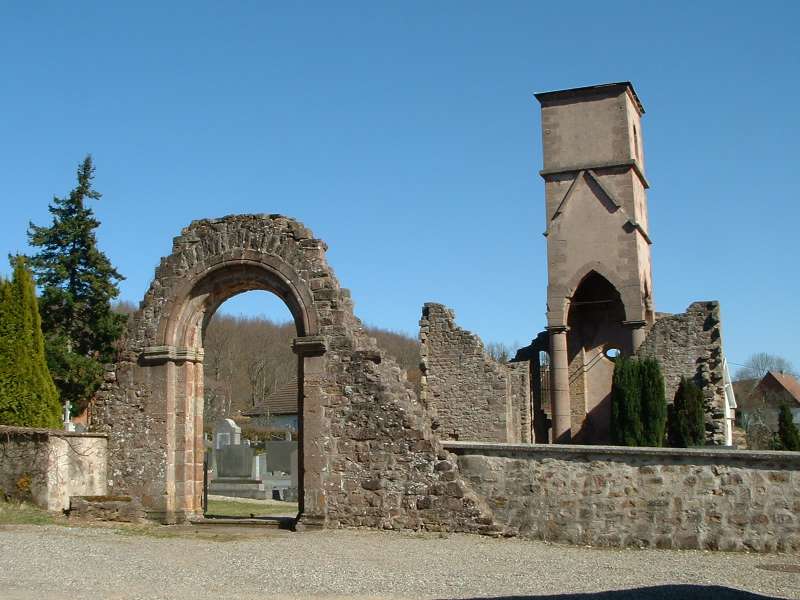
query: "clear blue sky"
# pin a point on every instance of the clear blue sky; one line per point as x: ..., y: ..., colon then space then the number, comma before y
x: 406, y: 136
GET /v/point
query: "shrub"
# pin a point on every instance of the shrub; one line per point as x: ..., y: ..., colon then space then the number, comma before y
x: 626, y: 421
x: 686, y: 416
x: 654, y: 403
x: 788, y: 435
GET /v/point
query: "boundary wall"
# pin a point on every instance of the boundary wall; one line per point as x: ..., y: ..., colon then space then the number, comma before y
x: 48, y: 466
x: 641, y: 497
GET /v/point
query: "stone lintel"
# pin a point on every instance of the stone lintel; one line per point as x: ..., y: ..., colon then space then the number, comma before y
x: 310, y: 345
x: 630, y: 163
x: 160, y: 354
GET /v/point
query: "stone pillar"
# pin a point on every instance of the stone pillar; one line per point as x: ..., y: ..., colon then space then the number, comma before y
x: 559, y: 385
x: 311, y: 448
x: 638, y: 334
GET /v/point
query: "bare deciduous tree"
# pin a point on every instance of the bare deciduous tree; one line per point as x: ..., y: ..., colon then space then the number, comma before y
x: 759, y: 363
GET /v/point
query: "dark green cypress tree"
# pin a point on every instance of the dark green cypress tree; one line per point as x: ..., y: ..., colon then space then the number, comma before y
x: 686, y: 419
x: 626, y: 422
x: 788, y: 434
x: 654, y: 403
x: 28, y: 396
x: 78, y: 283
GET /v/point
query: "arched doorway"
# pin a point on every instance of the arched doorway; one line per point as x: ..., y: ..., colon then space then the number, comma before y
x: 193, y: 307
x: 596, y: 336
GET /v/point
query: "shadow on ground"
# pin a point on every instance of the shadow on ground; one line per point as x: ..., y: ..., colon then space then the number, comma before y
x: 661, y: 592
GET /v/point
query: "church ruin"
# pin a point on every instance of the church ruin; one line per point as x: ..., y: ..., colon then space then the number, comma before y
x: 481, y: 448
x: 600, y: 287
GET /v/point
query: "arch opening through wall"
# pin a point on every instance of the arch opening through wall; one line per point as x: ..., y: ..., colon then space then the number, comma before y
x: 595, y: 322
x: 229, y: 471
x: 251, y: 418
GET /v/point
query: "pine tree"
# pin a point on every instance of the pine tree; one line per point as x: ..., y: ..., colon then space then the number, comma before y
x: 788, y: 434
x: 28, y: 396
x: 626, y: 422
x: 78, y: 283
x: 686, y: 419
x: 654, y: 403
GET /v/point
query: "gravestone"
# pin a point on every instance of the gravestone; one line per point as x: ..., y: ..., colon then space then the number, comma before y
x: 227, y: 433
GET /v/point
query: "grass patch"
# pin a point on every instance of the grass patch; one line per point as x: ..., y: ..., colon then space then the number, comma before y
x: 23, y: 513
x: 225, y: 508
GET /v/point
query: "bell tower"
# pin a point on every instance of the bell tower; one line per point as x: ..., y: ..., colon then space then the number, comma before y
x: 599, y: 294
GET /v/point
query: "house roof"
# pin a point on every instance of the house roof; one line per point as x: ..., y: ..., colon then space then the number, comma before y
x: 787, y: 382
x: 282, y: 401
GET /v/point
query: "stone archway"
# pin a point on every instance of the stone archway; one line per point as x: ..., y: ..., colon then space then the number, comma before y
x: 368, y: 455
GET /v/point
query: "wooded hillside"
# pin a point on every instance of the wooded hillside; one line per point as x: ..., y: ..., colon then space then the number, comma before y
x: 247, y: 358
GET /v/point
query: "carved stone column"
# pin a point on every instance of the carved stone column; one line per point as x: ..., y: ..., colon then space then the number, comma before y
x: 638, y: 333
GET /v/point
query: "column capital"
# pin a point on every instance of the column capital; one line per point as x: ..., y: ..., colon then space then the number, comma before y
x: 557, y: 329
x: 635, y: 324
x: 310, y: 345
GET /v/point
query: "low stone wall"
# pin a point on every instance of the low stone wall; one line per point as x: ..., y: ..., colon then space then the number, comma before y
x: 469, y: 395
x: 690, y: 345
x: 48, y: 466
x: 645, y: 497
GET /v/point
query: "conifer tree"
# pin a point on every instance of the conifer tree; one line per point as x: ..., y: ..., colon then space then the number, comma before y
x: 78, y: 283
x: 626, y: 422
x: 654, y: 403
x: 788, y: 434
x: 28, y: 396
x: 686, y: 419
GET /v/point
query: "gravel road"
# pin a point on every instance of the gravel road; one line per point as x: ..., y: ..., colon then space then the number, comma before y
x: 76, y: 563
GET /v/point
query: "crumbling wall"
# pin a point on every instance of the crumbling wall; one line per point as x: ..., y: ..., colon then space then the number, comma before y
x: 47, y: 466
x: 690, y: 345
x: 369, y: 455
x: 470, y: 395
x: 643, y: 497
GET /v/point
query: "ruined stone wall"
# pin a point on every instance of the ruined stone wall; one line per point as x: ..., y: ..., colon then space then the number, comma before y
x: 470, y: 395
x: 48, y: 466
x: 690, y: 345
x: 652, y: 498
x: 369, y: 456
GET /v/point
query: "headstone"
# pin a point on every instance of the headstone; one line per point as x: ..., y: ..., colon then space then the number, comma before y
x: 227, y: 433
x: 235, y: 461
x: 279, y: 455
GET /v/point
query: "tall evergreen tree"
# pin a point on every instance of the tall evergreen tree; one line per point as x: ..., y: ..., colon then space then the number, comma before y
x: 626, y: 421
x: 686, y: 420
x: 788, y: 434
x: 654, y: 403
x: 28, y: 396
x: 78, y: 283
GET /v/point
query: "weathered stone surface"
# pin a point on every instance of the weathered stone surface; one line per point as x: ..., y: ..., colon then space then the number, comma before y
x: 470, y: 396
x: 107, y: 508
x: 646, y: 497
x: 47, y: 466
x: 367, y: 449
x: 690, y: 345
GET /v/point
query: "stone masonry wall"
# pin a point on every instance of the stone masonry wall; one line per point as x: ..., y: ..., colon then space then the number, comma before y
x: 370, y: 456
x: 643, y: 497
x: 690, y: 345
x: 48, y: 466
x: 470, y: 395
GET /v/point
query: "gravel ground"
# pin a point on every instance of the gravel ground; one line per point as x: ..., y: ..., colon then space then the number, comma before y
x: 49, y: 562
